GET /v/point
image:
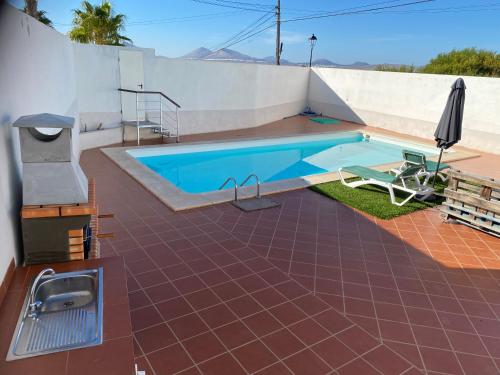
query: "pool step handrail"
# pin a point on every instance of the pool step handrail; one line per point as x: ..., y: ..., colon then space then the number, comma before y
x: 256, y: 180
x: 235, y: 186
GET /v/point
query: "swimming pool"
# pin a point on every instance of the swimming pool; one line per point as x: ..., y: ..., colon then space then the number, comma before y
x: 201, y: 168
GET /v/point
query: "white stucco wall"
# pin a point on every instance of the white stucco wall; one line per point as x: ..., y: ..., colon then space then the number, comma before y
x: 217, y: 96
x: 97, y: 79
x: 214, y: 96
x: 97, y: 72
x: 36, y: 75
x: 408, y: 103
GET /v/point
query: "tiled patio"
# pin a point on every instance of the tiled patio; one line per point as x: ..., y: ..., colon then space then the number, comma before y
x: 312, y: 287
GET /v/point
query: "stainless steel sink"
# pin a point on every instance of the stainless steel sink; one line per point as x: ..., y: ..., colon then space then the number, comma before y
x: 61, y: 311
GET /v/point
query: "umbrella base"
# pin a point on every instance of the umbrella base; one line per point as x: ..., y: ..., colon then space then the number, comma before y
x: 426, y: 195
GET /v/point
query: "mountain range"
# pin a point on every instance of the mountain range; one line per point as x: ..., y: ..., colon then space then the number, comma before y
x: 226, y: 54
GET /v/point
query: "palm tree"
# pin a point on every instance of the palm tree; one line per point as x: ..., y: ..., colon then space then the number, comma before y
x: 31, y: 8
x: 98, y: 24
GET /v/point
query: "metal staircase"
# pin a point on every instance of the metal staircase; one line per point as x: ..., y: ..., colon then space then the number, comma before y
x: 249, y: 204
x: 155, y: 111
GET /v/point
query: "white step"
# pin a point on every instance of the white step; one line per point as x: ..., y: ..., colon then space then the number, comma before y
x: 142, y: 124
x: 158, y: 130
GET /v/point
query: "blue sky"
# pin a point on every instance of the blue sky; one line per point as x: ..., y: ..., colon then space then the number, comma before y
x: 398, y: 36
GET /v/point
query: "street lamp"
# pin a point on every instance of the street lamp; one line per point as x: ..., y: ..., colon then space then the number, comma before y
x: 313, y: 41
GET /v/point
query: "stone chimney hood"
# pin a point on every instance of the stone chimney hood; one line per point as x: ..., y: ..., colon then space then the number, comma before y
x: 51, y: 173
x: 45, y: 120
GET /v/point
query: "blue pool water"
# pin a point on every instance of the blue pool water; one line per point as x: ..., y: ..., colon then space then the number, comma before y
x: 203, y: 168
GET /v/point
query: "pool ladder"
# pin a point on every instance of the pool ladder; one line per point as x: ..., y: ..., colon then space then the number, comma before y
x: 236, y: 187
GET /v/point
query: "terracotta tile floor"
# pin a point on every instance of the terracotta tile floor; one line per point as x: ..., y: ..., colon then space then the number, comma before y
x: 311, y: 287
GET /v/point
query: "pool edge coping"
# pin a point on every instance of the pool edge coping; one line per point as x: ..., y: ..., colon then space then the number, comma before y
x: 179, y: 200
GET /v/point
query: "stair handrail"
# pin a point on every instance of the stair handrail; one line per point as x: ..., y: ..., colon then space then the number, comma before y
x: 161, y: 94
x: 256, y: 179
x: 235, y: 186
x: 151, y: 92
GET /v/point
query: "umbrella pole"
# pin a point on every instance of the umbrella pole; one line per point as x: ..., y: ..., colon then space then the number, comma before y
x: 437, y: 168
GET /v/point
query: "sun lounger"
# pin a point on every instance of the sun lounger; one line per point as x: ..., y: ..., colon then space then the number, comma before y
x: 386, y: 180
x: 428, y: 167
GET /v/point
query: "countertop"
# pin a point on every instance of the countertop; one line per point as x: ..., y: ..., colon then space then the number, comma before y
x: 114, y: 356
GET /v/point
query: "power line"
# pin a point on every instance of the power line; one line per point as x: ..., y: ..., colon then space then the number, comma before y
x: 314, y: 12
x: 182, y: 19
x: 199, y: 17
x: 345, y: 13
x: 246, y: 36
x: 245, y: 4
x: 253, y: 30
x: 251, y: 35
x: 247, y: 30
x: 467, y: 8
x: 208, y: 16
x: 260, y: 5
x: 461, y: 9
x: 252, y: 9
x: 202, y: 16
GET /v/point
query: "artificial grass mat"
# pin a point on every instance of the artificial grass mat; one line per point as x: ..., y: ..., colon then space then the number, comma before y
x: 375, y: 200
x: 325, y: 120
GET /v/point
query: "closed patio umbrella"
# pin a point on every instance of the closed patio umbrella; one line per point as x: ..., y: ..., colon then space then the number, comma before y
x: 449, y: 130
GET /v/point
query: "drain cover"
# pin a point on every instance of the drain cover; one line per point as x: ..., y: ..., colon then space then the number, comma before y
x: 254, y: 204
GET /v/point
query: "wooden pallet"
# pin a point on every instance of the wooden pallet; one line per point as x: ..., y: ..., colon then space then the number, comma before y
x: 474, y: 201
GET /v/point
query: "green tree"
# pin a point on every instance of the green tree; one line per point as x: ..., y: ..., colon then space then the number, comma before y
x: 396, y: 68
x: 31, y: 8
x: 469, y: 61
x: 98, y: 24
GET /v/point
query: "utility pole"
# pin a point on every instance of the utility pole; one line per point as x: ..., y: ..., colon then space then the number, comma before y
x: 278, y: 37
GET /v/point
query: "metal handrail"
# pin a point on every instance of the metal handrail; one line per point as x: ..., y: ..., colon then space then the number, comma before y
x: 151, y: 92
x: 256, y: 179
x: 154, y: 112
x: 235, y: 186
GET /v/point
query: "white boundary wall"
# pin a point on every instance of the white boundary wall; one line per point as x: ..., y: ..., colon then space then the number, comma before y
x: 214, y: 96
x: 218, y: 96
x: 408, y: 103
x: 97, y: 79
x: 36, y: 75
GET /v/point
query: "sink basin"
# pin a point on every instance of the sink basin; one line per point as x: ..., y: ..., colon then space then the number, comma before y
x: 69, y: 315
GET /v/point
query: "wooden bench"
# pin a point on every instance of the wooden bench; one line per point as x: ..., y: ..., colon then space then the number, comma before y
x: 474, y: 201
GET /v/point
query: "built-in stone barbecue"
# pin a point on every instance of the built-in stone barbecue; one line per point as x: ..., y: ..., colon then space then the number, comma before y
x: 59, y: 216
x: 51, y: 173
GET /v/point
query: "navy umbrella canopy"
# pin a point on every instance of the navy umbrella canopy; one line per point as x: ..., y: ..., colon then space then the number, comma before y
x: 449, y: 130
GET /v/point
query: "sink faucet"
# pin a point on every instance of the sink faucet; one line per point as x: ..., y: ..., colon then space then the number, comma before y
x: 32, y: 304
